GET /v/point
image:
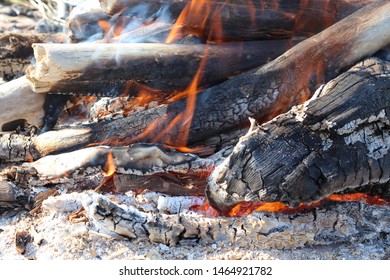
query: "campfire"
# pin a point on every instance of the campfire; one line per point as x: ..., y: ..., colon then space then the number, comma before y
x: 208, y: 121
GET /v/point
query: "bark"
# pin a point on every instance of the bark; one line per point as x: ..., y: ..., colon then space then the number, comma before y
x: 241, y: 19
x: 172, y: 223
x: 260, y: 94
x: 113, y: 69
x: 337, y: 141
x: 19, y: 102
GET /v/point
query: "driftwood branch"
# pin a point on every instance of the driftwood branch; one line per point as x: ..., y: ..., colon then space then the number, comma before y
x: 326, y: 145
x: 111, y: 69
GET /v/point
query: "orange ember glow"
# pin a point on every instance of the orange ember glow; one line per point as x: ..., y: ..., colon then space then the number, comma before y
x: 110, y: 166
x: 246, y: 208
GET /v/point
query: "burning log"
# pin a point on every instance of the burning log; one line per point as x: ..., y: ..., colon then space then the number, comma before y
x: 240, y: 20
x: 260, y: 94
x: 330, y: 143
x: 158, y: 221
x: 114, y: 69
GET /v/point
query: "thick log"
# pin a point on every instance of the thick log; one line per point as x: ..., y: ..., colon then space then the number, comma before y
x: 248, y: 20
x: 19, y: 102
x: 259, y: 94
x: 337, y: 141
x: 168, y: 220
x: 111, y: 69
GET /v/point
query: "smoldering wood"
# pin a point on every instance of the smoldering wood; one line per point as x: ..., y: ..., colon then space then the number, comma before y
x: 142, y: 160
x: 336, y: 141
x: 112, y: 69
x: 241, y: 20
x: 93, y: 26
x: 262, y: 93
x: 325, y: 225
x: 19, y: 102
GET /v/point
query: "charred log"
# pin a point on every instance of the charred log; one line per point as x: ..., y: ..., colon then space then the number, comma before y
x: 330, y: 143
x: 176, y: 225
x: 259, y: 94
x: 112, y: 69
x: 242, y: 20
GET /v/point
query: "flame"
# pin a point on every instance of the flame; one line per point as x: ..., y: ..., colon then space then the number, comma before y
x: 110, y: 166
x: 194, y: 18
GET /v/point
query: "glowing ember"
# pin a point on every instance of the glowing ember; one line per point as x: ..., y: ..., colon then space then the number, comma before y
x: 246, y: 208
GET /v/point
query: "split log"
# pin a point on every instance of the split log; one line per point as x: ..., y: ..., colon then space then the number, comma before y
x: 325, y: 225
x: 337, y: 141
x: 112, y: 69
x: 19, y: 102
x: 259, y: 94
x: 243, y: 20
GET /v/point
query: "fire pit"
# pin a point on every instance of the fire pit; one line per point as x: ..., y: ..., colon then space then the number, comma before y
x: 255, y: 130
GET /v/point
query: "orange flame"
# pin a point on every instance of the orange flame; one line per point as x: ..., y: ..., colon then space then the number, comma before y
x: 197, y: 14
x: 110, y: 166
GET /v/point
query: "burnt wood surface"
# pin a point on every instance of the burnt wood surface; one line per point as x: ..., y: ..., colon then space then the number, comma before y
x: 117, y: 69
x: 262, y: 93
x: 336, y: 141
x: 243, y: 20
x: 324, y: 225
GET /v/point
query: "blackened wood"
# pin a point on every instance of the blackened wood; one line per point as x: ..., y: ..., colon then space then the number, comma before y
x: 111, y: 69
x: 336, y: 141
x: 324, y: 225
x: 263, y: 93
x: 248, y: 20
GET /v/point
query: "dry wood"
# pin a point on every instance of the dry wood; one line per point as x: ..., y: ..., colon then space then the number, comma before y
x: 259, y: 94
x: 19, y: 102
x: 243, y: 19
x: 111, y: 69
x: 171, y: 223
x: 337, y: 141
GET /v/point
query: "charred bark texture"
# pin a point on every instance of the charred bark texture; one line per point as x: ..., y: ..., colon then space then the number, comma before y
x: 262, y: 93
x: 241, y: 20
x: 336, y: 141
